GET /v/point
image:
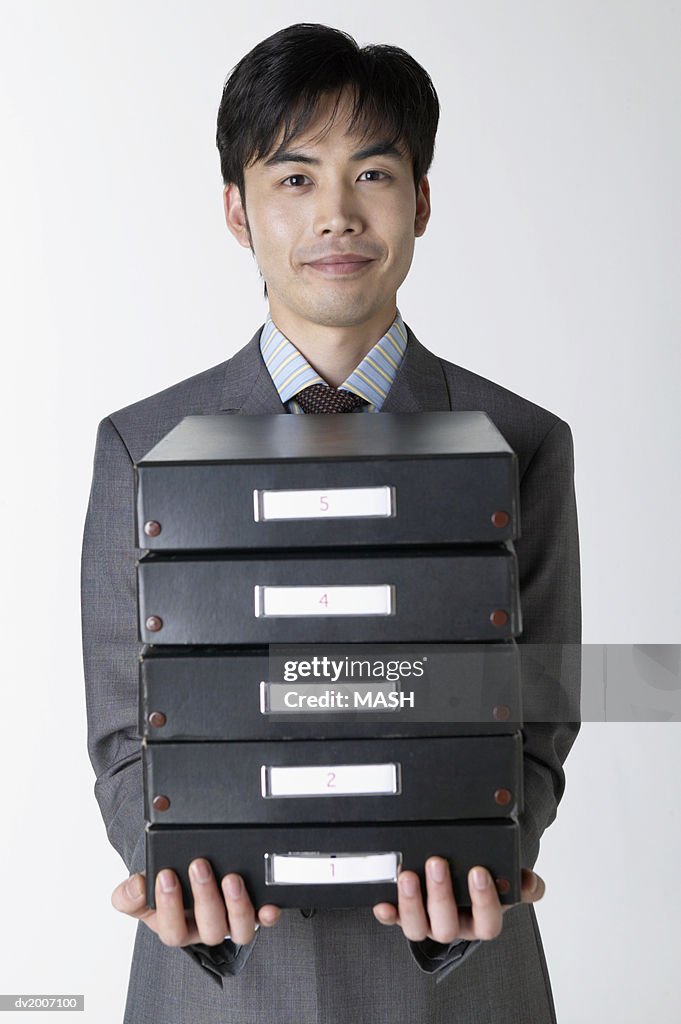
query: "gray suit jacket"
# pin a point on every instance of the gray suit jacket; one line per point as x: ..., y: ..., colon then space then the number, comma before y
x: 337, y: 966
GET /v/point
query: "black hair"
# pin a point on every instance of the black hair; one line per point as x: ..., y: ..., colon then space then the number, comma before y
x: 281, y: 81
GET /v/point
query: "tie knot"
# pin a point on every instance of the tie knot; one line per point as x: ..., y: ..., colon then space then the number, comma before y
x: 318, y: 398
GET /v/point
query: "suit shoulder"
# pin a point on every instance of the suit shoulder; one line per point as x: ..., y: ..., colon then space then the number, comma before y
x: 467, y: 384
x: 143, y: 423
x: 524, y: 423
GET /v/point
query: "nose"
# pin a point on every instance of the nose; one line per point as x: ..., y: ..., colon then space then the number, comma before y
x: 337, y: 211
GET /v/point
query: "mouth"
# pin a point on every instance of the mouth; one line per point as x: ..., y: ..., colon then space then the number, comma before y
x: 352, y: 267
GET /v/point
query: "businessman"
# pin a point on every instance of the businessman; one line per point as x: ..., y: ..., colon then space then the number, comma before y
x: 324, y: 151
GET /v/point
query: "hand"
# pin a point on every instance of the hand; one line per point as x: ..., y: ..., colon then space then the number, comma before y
x: 216, y: 913
x: 444, y: 922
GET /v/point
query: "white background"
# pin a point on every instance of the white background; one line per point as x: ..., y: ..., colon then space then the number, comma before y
x: 551, y: 264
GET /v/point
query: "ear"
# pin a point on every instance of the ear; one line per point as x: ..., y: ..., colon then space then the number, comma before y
x: 235, y: 216
x: 422, y: 207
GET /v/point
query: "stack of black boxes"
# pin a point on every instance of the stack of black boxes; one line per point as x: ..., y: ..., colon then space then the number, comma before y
x: 329, y: 688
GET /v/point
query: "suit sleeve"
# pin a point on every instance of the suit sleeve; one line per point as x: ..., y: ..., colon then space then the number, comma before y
x: 110, y: 656
x: 549, y: 579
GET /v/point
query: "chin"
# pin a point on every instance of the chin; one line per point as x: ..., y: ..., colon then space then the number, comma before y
x: 343, y: 317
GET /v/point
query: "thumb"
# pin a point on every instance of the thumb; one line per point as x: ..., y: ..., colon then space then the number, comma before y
x: 130, y: 897
x: 532, y: 886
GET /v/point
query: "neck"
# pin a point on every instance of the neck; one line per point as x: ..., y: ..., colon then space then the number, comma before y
x: 333, y: 351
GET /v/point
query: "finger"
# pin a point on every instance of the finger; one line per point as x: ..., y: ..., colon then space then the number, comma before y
x: 209, y: 907
x: 443, y: 912
x: 130, y: 898
x: 240, y: 912
x: 268, y: 915
x: 410, y: 907
x: 485, y: 905
x: 386, y: 913
x: 171, y: 922
x: 532, y: 886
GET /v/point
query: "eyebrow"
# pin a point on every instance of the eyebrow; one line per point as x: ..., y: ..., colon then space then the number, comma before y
x: 288, y: 156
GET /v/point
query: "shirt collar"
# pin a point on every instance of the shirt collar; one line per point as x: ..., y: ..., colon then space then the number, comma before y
x: 371, y: 380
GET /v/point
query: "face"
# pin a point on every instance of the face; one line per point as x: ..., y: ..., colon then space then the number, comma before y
x: 322, y: 198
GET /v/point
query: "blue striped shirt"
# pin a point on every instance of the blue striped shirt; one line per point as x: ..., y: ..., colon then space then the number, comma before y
x: 371, y: 380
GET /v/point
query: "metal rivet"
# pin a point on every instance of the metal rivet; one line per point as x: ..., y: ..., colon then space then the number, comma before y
x: 503, y: 885
x: 152, y: 528
x: 501, y: 712
x: 157, y: 719
x: 497, y: 618
x: 500, y: 519
x: 154, y: 623
x: 161, y: 803
x: 503, y: 796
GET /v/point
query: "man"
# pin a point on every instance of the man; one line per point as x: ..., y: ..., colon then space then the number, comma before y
x: 324, y: 151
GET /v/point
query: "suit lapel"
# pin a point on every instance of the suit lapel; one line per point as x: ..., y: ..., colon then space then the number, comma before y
x: 419, y: 386
x: 248, y: 387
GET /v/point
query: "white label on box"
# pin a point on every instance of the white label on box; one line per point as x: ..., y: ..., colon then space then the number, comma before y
x: 330, y: 869
x: 329, y: 780
x: 303, y: 601
x: 333, y: 503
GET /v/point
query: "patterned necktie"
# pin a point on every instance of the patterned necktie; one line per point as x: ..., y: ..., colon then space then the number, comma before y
x: 319, y: 398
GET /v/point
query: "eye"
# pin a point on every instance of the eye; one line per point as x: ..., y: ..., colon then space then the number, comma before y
x: 293, y: 177
x: 384, y: 173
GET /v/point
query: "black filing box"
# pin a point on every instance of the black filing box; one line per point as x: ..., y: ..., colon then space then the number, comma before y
x: 384, y: 533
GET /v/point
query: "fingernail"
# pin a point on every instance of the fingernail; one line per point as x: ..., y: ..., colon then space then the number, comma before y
x: 134, y: 887
x: 436, y: 870
x: 234, y: 888
x: 534, y: 884
x: 200, y: 871
x: 479, y: 878
x: 409, y: 885
x: 167, y: 881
